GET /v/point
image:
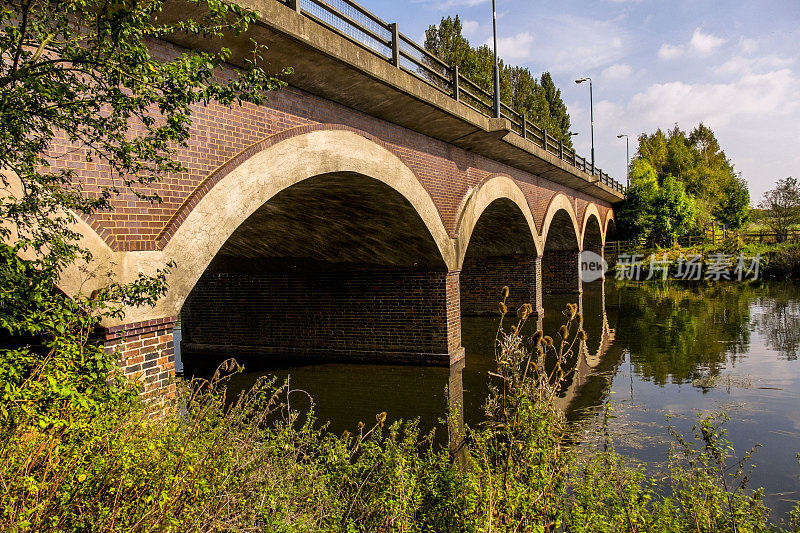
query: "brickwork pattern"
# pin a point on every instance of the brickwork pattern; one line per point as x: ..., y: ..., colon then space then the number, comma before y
x: 561, y: 271
x: 415, y: 311
x: 483, y: 279
x: 220, y: 137
x: 453, y: 312
x: 147, y: 355
x: 393, y: 314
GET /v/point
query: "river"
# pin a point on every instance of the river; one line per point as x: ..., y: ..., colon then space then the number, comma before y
x: 659, y: 354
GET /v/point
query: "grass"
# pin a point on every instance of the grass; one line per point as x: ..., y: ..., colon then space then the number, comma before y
x: 255, y: 464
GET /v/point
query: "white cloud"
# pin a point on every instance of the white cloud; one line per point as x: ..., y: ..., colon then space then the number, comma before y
x: 700, y: 45
x: 752, y: 96
x: 748, y: 46
x: 443, y: 5
x: 669, y: 51
x: 469, y: 27
x: 578, y: 45
x: 703, y: 43
x: 514, y: 48
x: 755, y: 115
x: 617, y: 72
x: 738, y: 65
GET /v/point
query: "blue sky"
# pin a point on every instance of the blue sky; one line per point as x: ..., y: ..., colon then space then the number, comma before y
x: 732, y: 64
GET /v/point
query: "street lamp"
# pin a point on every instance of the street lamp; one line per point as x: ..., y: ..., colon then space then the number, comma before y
x: 496, y: 64
x: 627, y: 159
x: 591, y: 112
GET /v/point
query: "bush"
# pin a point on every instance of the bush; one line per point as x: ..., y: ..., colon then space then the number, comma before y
x: 255, y: 464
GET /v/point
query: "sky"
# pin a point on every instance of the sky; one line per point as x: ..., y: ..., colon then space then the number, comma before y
x: 731, y: 64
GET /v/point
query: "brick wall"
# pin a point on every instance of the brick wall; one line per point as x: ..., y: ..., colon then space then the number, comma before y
x: 146, y: 355
x: 219, y: 134
x: 560, y: 272
x: 483, y: 279
x: 223, y: 137
x: 396, y: 315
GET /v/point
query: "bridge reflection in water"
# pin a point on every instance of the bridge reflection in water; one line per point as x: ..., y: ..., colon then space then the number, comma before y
x: 345, y: 394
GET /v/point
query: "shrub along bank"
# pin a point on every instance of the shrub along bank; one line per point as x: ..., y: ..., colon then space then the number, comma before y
x: 257, y: 465
x: 776, y: 261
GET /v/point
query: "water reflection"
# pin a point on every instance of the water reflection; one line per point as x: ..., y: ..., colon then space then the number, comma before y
x: 673, y: 334
x: 676, y: 333
x: 345, y: 394
x: 657, y: 349
x: 779, y: 319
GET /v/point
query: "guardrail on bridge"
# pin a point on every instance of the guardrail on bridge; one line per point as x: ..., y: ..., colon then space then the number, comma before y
x: 383, y: 39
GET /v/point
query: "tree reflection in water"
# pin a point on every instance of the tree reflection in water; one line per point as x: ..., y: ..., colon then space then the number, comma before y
x: 779, y: 318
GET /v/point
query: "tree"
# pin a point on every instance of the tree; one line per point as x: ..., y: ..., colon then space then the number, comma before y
x: 733, y: 209
x: 540, y: 100
x: 659, y: 213
x: 558, y: 117
x: 83, y: 71
x: 673, y: 213
x: 653, y: 149
x: 781, y: 207
x: 635, y: 215
x: 698, y: 162
x: 447, y: 42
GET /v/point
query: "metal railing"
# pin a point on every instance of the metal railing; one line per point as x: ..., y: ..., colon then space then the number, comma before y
x: 383, y: 39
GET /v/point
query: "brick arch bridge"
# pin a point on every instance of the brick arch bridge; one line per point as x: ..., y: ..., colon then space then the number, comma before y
x: 325, y: 226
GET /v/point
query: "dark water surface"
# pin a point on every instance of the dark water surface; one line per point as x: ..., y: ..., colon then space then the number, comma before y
x: 659, y: 354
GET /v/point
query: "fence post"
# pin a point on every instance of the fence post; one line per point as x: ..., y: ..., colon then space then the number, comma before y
x: 295, y: 5
x: 561, y: 148
x: 395, y: 44
x: 544, y: 139
x: 456, y: 89
x: 524, y: 126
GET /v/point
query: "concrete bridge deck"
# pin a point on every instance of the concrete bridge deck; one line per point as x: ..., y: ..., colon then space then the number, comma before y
x: 356, y: 215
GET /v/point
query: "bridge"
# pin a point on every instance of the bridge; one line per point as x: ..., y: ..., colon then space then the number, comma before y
x: 355, y: 216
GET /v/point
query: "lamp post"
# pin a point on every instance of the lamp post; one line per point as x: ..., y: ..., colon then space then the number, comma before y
x: 627, y: 160
x: 591, y: 112
x: 496, y: 64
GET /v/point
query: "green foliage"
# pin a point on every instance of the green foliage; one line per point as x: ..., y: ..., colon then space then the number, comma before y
x: 518, y: 464
x: 712, y: 493
x: 539, y: 99
x: 673, y: 212
x: 81, y: 73
x: 696, y: 164
x: 254, y: 464
x: 733, y: 209
x: 658, y: 212
x: 781, y: 207
x: 707, y: 494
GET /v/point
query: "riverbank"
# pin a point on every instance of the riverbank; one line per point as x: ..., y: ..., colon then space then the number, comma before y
x: 776, y: 260
x: 263, y: 466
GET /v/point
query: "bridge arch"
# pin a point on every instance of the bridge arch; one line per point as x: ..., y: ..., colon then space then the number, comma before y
x: 325, y: 245
x: 592, y: 234
x: 609, y: 227
x: 261, y: 177
x: 498, y: 246
x: 561, y: 209
x: 561, y: 236
x: 489, y: 192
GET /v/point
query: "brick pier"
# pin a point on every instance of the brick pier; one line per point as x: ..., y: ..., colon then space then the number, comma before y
x: 147, y: 355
